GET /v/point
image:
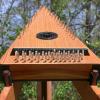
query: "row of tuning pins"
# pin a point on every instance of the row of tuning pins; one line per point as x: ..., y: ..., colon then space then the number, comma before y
x: 51, y: 57
x: 24, y: 58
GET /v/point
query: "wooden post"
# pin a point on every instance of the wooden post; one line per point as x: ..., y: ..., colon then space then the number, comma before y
x: 49, y: 90
x: 96, y: 90
x: 17, y: 89
x: 85, y: 90
x: 42, y: 90
x: 95, y: 74
x: 39, y: 90
x: 7, y: 78
x: 7, y: 93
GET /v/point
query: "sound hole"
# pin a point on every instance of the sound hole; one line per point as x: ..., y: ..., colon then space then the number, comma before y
x: 46, y: 35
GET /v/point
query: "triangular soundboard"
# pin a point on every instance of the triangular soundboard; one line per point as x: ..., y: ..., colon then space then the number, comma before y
x: 46, y: 39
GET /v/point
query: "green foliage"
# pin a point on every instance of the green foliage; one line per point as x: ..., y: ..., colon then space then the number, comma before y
x: 64, y: 90
x: 58, y: 6
x: 95, y: 44
x: 29, y: 91
x: 98, y: 83
x: 96, y: 47
x: 1, y: 86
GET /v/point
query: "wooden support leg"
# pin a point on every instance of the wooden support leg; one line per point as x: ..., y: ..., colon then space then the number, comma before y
x: 17, y: 89
x: 42, y: 90
x: 96, y: 90
x: 85, y: 90
x: 7, y: 93
x: 39, y: 91
x: 7, y: 78
x: 49, y: 90
x: 95, y: 74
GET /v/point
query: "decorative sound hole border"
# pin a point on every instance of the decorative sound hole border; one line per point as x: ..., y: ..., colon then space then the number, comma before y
x: 47, y: 35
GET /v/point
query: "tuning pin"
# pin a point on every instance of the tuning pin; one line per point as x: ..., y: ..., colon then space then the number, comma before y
x: 38, y: 57
x: 23, y: 56
x: 81, y: 56
x: 60, y: 57
x: 55, y: 57
x: 30, y: 56
x: 35, y: 56
x: 83, y: 52
x: 69, y: 56
x: 58, y: 53
x: 54, y: 50
x: 50, y: 56
x: 78, y: 55
x: 72, y: 55
x: 16, y: 56
x: 46, y: 57
x: 36, y: 52
x: 42, y: 55
x: 64, y: 56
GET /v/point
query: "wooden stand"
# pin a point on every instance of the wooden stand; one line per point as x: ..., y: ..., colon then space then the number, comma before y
x: 17, y: 89
x: 44, y: 90
x: 85, y: 90
x: 7, y: 93
x: 49, y: 90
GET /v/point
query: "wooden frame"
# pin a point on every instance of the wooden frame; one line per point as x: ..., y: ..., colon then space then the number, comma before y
x: 7, y: 93
x: 85, y: 90
x: 50, y: 71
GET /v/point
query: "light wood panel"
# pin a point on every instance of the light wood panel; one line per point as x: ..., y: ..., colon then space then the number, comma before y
x: 96, y: 90
x: 7, y: 93
x: 50, y: 71
x: 85, y: 90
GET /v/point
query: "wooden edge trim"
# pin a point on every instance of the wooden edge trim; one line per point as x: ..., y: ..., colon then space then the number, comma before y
x: 7, y: 93
x: 96, y: 90
x: 85, y: 90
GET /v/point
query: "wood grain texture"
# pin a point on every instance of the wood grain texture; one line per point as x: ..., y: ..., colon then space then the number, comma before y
x: 96, y: 90
x: 45, y: 21
x: 50, y: 71
x: 7, y: 93
x: 85, y: 90
x: 17, y: 89
x: 49, y: 90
